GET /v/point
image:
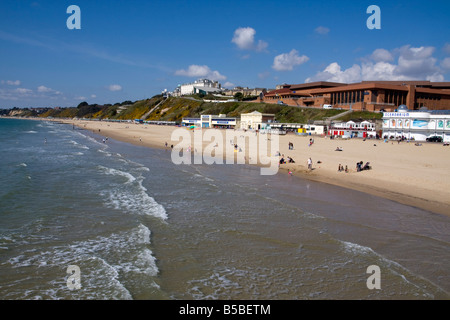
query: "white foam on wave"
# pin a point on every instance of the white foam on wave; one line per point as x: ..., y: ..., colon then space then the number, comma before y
x: 93, y: 140
x: 31, y: 131
x: 108, y: 154
x: 108, y: 264
x: 115, y: 172
x: 356, y: 248
x: 131, y: 196
x: 138, y: 202
x: 394, y: 267
x: 78, y: 145
x: 23, y: 165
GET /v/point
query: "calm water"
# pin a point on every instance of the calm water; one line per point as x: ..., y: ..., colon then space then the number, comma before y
x: 140, y: 227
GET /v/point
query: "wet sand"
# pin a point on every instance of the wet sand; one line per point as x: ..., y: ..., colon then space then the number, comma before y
x: 418, y: 176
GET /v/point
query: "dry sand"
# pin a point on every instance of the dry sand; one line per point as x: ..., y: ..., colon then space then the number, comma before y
x: 414, y: 175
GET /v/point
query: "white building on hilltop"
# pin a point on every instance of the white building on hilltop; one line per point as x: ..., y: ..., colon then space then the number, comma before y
x: 199, y: 85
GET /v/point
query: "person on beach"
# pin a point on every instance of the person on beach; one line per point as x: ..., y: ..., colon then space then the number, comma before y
x: 309, y: 164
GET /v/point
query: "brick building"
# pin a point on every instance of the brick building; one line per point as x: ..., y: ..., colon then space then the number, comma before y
x: 366, y: 95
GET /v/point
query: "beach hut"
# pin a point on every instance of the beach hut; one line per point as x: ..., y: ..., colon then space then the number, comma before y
x: 351, y: 125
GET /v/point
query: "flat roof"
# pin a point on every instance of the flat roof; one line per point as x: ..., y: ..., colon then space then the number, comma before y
x: 316, y: 84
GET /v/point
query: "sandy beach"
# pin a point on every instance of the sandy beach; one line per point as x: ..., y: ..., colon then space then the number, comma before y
x: 418, y: 176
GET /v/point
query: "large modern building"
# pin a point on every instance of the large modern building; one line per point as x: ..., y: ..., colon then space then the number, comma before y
x: 199, y: 86
x: 416, y: 124
x: 366, y: 95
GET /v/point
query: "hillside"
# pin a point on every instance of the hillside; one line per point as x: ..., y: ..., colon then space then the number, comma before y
x: 175, y: 109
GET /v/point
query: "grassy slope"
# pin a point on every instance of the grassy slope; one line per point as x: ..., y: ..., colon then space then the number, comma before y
x: 175, y: 109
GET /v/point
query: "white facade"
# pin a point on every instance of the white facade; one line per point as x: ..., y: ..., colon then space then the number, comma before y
x: 351, y: 129
x: 211, y: 121
x: 254, y: 120
x: 189, y: 88
x: 416, y: 125
x: 312, y: 129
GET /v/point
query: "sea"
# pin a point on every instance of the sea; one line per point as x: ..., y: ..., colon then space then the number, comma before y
x: 138, y: 227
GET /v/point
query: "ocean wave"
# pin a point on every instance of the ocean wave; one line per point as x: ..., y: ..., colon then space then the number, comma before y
x: 108, y: 154
x: 423, y: 286
x: 138, y: 202
x: 78, y: 145
x: 108, y: 264
x: 131, y: 196
x: 115, y: 172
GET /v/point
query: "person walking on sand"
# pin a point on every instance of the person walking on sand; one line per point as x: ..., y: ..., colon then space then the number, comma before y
x: 309, y: 164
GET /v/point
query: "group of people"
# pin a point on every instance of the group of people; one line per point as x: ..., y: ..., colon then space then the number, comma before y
x: 166, y: 145
x: 341, y: 168
x: 360, y: 167
x: 289, y: 160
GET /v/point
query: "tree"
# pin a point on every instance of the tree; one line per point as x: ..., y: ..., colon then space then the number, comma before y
x: 238, y: 96
x: 82, y: 104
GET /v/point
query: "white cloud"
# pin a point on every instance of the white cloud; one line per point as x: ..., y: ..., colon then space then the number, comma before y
x: 115, y: 87
x: 23, y: 91
x: 41, y: 95
x: 416, y: 63
x: 334, y: 73
x: 382, y: 55
x: 81, y: 98
x: 446, y: 48
x: 196, y: 71
x: 228, y: 84
x: 11, y: 82
x: 322, y: 30
x: 446, y: 63
x: 43, y: 89
x: 261, y: 46
x: 287, y: 61
x: 244, y: 38
x: 49, y: 92
x: 412, y: 64
x: 93, y: 96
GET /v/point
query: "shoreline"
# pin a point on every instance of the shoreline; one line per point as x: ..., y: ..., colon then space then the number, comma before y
x: 425, y: 172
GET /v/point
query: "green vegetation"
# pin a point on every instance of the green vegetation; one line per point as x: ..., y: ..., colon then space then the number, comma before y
x: 175, y: 109
x: 362, y: 115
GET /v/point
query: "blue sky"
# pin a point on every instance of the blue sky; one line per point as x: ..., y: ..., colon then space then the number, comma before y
x: 130, y: 50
